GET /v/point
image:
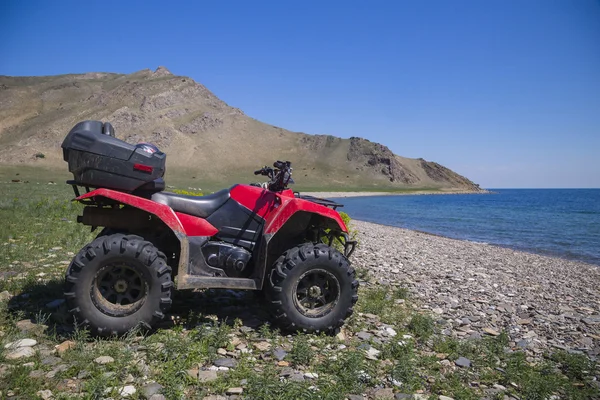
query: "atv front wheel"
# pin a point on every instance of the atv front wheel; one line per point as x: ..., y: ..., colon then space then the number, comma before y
x: 118, y: 282
x: 311, y: 288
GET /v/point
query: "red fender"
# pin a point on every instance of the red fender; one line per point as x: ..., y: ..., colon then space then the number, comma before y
x: 277, y: 208
x: 290, y: 206
x: 181, y: 224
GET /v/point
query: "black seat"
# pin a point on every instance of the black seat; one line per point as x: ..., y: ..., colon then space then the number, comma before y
x: 199, y: 206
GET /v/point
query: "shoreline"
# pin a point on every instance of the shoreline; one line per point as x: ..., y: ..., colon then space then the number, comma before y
x: 337, y: 194
x: 528, y: 251
x: 476, y: 289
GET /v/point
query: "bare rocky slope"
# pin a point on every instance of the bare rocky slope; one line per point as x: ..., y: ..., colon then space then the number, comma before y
x: 202, y: 135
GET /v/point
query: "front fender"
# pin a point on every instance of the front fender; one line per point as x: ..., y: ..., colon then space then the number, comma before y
x: 278, y: 219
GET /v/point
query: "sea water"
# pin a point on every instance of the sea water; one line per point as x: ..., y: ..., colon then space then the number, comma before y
x: 557, y: 222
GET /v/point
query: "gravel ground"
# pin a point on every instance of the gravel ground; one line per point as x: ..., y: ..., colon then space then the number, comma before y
x: 477, y: 289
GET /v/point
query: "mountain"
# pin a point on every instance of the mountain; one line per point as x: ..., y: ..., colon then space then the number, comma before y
x: 204, y: 138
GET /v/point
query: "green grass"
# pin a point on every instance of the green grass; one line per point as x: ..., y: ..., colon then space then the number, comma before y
x: 39, y: 237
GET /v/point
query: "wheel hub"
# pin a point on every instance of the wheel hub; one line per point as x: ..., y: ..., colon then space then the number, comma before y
x: 119, y: 289
x: 121, y: 286
x: 316, y: 293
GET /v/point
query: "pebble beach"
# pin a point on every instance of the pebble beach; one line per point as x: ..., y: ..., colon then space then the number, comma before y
x: 477, y: 289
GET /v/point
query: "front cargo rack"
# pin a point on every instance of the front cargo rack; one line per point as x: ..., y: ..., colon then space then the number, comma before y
x: 324, y: 202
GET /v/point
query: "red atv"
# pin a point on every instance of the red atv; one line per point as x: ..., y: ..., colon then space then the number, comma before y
x: 256, y: 237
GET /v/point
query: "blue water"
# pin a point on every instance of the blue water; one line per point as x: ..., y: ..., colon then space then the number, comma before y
x: 557, y: 222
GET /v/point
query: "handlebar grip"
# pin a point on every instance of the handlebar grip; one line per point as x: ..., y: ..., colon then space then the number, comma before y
x: 258, y: 172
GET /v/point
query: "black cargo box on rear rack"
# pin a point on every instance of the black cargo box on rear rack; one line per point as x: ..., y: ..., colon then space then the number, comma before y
x: 97, y: 159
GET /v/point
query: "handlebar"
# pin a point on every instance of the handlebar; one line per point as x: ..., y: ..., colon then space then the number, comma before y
x: 280, y: 176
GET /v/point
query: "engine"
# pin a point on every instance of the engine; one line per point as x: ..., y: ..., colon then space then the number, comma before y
x: 228, y: 257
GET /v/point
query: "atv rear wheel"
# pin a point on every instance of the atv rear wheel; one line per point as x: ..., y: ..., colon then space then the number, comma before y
x: 118, y: 282
x: 311, y: 288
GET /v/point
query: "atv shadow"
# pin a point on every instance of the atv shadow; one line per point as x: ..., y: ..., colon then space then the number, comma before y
x: 40, y: 307
x: 193, y: 308
x: 42, y: 304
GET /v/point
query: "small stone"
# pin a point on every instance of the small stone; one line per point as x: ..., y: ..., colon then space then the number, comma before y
x: 390, y: 332
x: 262, y: 346
x: 363, y: 335
x: 438, y: 311
x: 524, y: 321
x: 5, y: 296
x: 373, y: 353
x: 341, y: 336
x: 445, y: 398
x: 151, y: 389
x: 193, y: 373
x: 83, y: 374
x: 21, y: 343
x: 29, y: 365
x: 21, y: 352
x: 296, y: 377
x: 403, y: 396
x: 157, y: 396
x: 221, y: 352
x: 370, y: 316
x: 207, y: 376
x: 45, y: 394
x: 283, y: 363
x: 127, y: 391
x: 491, y: 331
x: 38, y: 373
x: 279, y: 354
x: 104, y: 360
x: 64, y: 346
x: 355, y: 397
x: 51, y: 360
x: 55, y: 303
x: 386, y: 393
x: 225, y: 362
x: 499, y: 387
x: 463, y: 362
x: 26, y: 326
x: 234, y: 391
x: 214, y: 397
x: 56, y: 370
x: 311, y: 375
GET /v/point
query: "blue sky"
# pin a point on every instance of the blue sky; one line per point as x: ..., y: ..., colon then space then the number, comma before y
x: 505, y: 92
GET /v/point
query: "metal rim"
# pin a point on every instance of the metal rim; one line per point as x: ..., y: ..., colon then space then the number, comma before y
x: 119, y: 290
x: 317, y: 293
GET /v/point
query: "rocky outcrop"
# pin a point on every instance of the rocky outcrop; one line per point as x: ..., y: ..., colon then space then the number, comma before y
x: 380, y: 158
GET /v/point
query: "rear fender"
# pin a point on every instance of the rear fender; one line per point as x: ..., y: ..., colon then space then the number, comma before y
x: 182, y: 225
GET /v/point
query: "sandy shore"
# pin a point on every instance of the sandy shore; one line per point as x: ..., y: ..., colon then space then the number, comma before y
x: 330, y: 195
x: 477, y: 289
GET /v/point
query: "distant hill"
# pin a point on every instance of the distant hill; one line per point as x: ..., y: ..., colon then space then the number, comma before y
x: 202, y: 135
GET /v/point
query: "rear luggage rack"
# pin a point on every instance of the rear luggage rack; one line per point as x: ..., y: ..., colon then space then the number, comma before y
x: 75, y: 185
x: 318, y: 200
